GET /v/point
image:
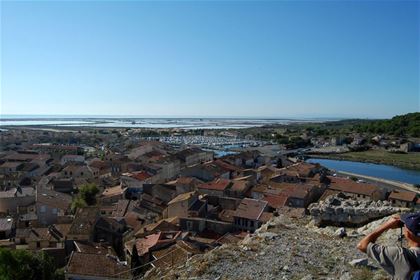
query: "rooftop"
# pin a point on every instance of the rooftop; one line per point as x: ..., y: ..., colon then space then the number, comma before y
x: 350, y: 186
x: 97, y: 265
x: 218, y: 185
x: 140, y: 175
x: 403, y: 196
x: 84, y: 221
x: 54, y: 199
x: 113, y: 191
x: 182, y: 197
x: 251, y: 209
x: 145, y: 244
x: 18, y: 192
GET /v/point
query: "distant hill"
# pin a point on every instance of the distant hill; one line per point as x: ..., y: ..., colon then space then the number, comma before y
x: 403, y: 125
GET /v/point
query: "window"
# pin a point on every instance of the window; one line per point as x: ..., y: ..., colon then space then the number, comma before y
x: 54, y: 211
x: 43, y: 209
x: 38, y: 244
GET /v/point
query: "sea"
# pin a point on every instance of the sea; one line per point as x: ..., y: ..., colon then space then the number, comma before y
x: 146, y: 122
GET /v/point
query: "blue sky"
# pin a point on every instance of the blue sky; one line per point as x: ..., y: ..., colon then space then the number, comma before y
x: 237, y: 58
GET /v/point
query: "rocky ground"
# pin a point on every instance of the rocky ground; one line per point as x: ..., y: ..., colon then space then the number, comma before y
x: 287, y: 248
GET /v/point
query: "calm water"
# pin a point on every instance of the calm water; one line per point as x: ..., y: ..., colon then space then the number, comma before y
x: 369, y: 169
x: 184, y: 123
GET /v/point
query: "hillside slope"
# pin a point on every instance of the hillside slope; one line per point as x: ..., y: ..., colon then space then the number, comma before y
x: 284, y: 248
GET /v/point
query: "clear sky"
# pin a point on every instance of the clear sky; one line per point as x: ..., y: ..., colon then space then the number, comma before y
x: 204, y: 58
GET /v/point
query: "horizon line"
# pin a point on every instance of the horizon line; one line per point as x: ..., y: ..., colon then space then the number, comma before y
x: 76, y: 116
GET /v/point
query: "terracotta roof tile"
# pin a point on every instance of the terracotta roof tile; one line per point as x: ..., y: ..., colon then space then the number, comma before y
x: 403, y: 196
x: 251, y: 209
x: 218, y: 185
x: 350, y: 186
x: 97, y: 265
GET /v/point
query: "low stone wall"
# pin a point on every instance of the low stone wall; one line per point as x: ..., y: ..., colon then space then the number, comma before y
x: 340, y: 210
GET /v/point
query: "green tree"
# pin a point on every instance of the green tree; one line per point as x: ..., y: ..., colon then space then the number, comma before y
x: 354, y: 178
x: 23, y: 265
x: 88, y: 193
x: 77, y: 202
x: 85, y: 197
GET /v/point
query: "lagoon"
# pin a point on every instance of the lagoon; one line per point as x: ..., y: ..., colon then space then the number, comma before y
x: 370, y: 169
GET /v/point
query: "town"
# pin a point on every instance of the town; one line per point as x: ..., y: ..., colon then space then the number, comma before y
x: 113, y: 204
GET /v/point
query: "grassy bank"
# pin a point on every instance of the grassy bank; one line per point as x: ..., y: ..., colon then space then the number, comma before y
x: 409, y: 160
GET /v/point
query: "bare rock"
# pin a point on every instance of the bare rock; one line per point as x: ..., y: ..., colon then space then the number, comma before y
x: 359, y: 262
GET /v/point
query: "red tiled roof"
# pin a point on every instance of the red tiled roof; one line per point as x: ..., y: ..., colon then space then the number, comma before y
x: 143, y: 245
x: 97, y: 265
x: 185, y: 180
x: 251, y: 209
x: 141, y: 175
x: 226, y: 166
x: 298, y: 191
x: 403, y: 195
x: 276, y: 201
x: 218, y: 185
x: 350, y: 186
x: 302, y: 168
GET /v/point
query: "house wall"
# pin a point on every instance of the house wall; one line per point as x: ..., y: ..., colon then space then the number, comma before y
x: 198, y: 158
x: 32, y: 245
x: 378, y: 195
x: 10, y: 204
x: 65, y: 159
x: 257, y: 195
x: 229, y: 203
x: 296, y: 202
x: 170, y: 170
x: 79, y: 237
x: 48, y: 215
x: 197, y: 172
x: 180, y: 189
x: 219, y: 227
x: 200, y: 224
x: 81, y: 173
x: 246, y: 224
x: 112, y: 199
x: 5, y: 234
x: 192, y: 224
x: 400, y: 203
x: 179, y: 209
x: 211, y: 192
